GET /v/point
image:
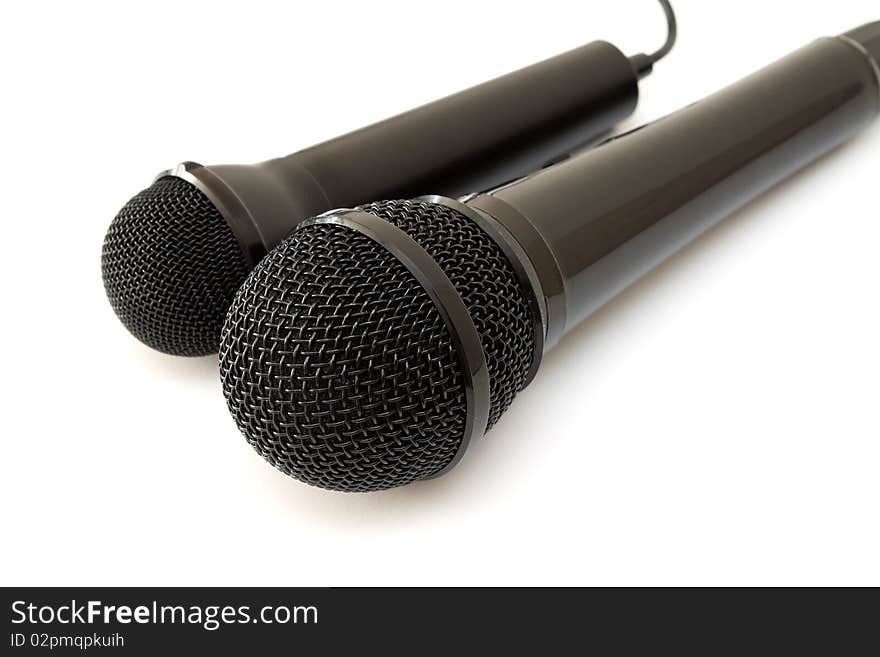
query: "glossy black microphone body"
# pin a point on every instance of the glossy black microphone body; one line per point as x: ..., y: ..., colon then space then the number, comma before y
x: 375, y: 344
x: 594, y: 224
x: 489, y: 134
x: 176, y: 253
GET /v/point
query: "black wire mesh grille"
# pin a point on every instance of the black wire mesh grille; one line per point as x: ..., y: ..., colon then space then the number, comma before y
x: 171, y: 266
x: 486, y: 283
x: 338, y: 367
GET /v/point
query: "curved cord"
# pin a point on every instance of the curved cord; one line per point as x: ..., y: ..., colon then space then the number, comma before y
x: 643, y: 64
x: 671, y: 33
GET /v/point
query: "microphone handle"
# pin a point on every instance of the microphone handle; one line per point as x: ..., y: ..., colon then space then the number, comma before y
x: 473, y: 140
x: 594, y: 224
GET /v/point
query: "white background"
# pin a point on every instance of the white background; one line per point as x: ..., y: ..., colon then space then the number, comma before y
x: 717, y: 424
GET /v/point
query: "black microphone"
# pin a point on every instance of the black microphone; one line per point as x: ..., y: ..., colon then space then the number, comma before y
x: 374, y: 345
x: 176, y: 253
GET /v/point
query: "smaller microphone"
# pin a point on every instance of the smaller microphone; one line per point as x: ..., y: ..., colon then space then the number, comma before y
x: 176, y: 253
x: 374, y: 345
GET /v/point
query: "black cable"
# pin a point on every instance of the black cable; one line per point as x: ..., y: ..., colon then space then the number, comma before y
x: 671, y: 33
x: 643, y: 64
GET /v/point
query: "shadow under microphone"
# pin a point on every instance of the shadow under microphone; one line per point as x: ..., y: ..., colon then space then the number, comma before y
x: 374, y: 345
x: 176, y: 253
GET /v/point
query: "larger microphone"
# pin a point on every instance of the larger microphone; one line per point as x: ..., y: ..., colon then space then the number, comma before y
x: 176, y: 253
x: 374, y: 345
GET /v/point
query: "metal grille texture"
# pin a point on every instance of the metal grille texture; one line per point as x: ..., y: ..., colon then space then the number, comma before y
x: 486, y: 282
x: 337, y: 366
x: 171, y: 267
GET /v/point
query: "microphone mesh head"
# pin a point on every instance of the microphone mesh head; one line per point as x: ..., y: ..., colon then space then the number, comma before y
x: 171, y: 266
x: 338, y: 367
